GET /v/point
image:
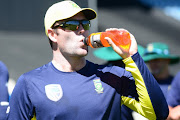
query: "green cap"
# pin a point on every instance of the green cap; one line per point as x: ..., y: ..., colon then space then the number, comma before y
x: 108, y: 54
x: 158, y: 50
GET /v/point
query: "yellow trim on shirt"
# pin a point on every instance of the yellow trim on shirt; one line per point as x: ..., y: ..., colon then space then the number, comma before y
x: 34, y: 118
x: 144, y: 105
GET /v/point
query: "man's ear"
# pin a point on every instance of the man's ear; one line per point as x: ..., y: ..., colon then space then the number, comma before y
x: 52, y: 35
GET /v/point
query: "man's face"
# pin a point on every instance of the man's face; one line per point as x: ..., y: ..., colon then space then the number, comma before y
x: 157, y: 66
x: 70, y: 43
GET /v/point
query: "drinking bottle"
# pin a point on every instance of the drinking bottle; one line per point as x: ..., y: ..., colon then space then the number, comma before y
x: 120, y: 38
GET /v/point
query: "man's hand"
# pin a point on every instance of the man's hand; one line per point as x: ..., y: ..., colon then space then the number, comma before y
x: 123, y: 53
x: 174, y: 113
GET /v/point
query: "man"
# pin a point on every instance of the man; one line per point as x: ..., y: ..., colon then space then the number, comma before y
x: 158, y: 57
x: 72, y: 88
x: 4, y: 96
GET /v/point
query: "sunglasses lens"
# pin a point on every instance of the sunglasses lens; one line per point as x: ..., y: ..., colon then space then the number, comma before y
x: 86, y: 25
x: 72, y: 25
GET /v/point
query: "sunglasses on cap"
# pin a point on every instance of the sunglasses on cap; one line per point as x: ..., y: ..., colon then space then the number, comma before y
x: 74, y: 25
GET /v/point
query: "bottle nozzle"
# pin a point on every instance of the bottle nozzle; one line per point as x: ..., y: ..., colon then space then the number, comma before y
x: 85, y: 41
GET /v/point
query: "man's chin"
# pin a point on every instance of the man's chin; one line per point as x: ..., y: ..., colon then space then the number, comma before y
x: 84, y: 54
x: 85, y: 51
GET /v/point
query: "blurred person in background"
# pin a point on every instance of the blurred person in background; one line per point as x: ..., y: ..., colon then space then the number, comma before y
x: 113, y: 59
x: 173, y: 99
x: 4, y: 95
x: 157, y: 56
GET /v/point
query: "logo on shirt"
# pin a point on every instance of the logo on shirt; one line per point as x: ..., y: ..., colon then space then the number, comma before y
x: 54, y: 92
x: 98, y: 86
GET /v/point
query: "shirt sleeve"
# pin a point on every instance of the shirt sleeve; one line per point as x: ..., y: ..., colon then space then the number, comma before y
x: 173, y: 97
x: 4, y: 77
x: 148, y: 104
x: 20, y: 104
x: 4, y: 96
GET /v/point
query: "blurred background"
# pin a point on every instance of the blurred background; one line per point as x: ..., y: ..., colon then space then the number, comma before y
x: 24, y: 45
